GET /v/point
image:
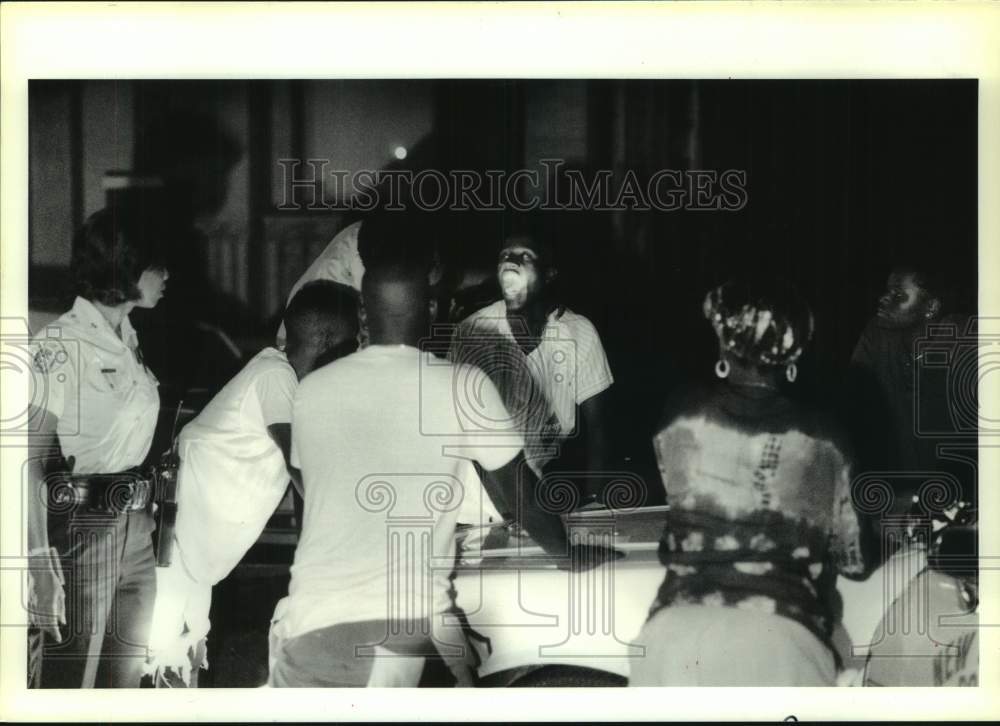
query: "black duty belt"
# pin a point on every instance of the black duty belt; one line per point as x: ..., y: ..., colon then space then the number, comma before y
x: 133, y: 490
x: 127, y: 491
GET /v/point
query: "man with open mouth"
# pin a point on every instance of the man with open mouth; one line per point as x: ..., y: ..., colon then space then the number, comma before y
x: 546, y: 360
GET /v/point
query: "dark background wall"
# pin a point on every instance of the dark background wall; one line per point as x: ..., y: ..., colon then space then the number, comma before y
x: 843, y: 179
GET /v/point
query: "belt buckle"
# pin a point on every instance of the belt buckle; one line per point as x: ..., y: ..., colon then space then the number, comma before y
x: 129, y: 504
x: 119, y: 495
x: 138, y: 494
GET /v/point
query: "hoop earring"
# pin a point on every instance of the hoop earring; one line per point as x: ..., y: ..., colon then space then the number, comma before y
x: 791, y: 372
x: 722, y: 368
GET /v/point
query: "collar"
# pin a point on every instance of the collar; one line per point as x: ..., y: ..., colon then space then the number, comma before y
x: 391, y: 347
x: 751, y: 401
x: 503, y: 323
x: 88, y: 323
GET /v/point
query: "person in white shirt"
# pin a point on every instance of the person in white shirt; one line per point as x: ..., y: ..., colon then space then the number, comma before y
x: 234, y: 472
x: 547, y: 361
x: 387, y: 458
x: 97, y: 408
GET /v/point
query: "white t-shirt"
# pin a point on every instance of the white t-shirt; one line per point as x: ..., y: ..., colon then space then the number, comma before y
x: 568, y: 367
x: 386, y: 458
x: 233, y: 474
x: 106, y: 400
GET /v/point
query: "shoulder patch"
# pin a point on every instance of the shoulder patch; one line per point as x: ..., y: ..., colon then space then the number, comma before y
x: 49, y: 356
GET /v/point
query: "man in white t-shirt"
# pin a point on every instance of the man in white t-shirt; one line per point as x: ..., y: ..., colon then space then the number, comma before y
x: 547, y: 361
x: 386, y: 458
x: 234, y: 469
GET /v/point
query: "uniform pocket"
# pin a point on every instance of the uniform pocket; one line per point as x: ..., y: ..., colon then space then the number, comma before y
x: 108, y: 379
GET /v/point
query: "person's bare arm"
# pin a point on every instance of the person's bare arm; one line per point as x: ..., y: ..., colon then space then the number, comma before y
x: 514, y: 488
x: 282, y: 436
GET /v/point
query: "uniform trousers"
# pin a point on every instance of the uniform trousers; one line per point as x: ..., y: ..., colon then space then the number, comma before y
x: 109, y: 567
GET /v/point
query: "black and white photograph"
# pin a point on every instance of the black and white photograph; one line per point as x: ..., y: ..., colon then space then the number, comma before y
x: 497, y: 380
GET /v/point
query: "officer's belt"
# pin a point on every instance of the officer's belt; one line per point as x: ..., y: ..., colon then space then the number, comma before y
x: 128, y: 491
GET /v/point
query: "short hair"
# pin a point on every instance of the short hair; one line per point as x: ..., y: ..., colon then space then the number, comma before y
x: 761, y: 320
x: 319, y: 307
x: 932, y: 278
x: 536, y: 243
x: 394, y: 290
x: 110, y: 252
x: 535, y: 232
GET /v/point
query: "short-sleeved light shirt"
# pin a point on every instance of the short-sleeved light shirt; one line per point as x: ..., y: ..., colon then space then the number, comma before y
x: 544, y: 388
x: 105, y: 399
x: 233, y: 474
x: 386, y: 458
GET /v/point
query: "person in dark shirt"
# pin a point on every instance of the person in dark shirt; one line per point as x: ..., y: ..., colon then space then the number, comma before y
x: 760, y: 520
x: 897, y: 402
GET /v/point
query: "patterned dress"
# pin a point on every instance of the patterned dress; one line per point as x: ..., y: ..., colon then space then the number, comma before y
x: 760, y: 508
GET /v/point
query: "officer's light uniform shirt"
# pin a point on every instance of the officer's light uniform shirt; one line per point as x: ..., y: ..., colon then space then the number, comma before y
x: 233, y: 474
x: 386, y: 457
x: 93, y: 381
x: 568, y: 367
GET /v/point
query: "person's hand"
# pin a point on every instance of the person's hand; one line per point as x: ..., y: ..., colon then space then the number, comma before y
x: 583, y: 557
x: 46, y: 592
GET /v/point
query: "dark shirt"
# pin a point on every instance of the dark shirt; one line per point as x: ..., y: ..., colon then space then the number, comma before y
x: 899, y: 397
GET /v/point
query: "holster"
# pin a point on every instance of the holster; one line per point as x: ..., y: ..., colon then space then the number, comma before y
x: 166, y: 507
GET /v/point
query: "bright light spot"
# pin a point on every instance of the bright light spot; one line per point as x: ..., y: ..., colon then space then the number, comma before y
x: 399, y: 152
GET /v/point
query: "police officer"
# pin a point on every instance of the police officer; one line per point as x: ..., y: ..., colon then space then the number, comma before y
x: 91, y: 552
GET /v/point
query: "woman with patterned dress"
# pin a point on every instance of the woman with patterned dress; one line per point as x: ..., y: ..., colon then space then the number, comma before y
x: 761, y: 518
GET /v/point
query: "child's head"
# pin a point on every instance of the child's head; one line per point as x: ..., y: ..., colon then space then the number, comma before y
x: 321, y: 323
x: 913, y: 294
